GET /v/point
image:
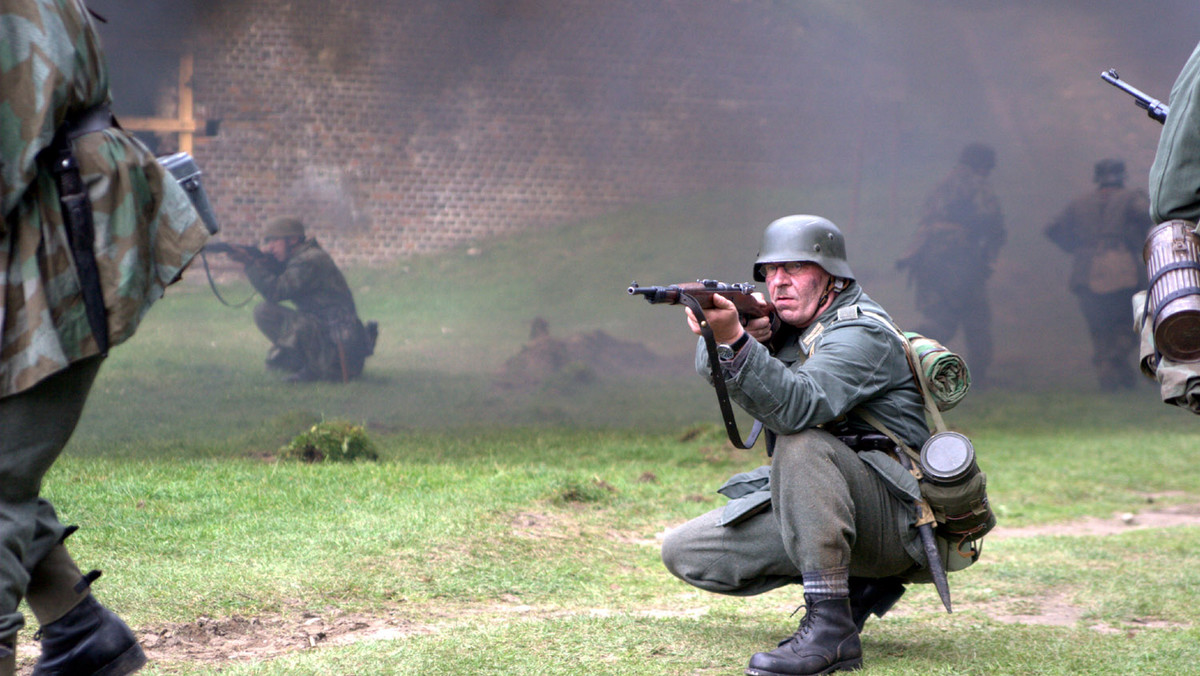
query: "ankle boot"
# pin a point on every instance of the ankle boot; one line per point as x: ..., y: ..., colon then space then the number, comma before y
x: 873, y: 596
x: 826, y: 641
x: 90, y: 640
x: 79, y: 636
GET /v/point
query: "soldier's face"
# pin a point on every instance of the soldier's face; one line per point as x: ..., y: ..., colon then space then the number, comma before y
x: 797, y: 294
x: 277, y: 247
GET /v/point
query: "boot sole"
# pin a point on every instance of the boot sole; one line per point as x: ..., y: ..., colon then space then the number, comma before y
x: 845, y: 665
x: 126, y: 663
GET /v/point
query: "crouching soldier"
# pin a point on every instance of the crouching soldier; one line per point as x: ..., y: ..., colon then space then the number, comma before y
x: 321, y: 336
x: 827, y: 512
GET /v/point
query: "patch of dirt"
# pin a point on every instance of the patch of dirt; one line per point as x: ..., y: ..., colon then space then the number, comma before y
x: 1057, y: 610
x: 240, y: 639
x: 1164, y: 517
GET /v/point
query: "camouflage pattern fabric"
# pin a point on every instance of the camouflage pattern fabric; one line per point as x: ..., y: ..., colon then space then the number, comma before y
x: 146, y: 230
x: 960, y: 232
x: 946, y: 372
x: 327, y: 333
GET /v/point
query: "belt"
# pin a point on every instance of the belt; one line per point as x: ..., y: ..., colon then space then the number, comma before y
x: 867, y: 441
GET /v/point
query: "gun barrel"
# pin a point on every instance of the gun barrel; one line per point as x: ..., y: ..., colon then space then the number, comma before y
x: 1157, y: 110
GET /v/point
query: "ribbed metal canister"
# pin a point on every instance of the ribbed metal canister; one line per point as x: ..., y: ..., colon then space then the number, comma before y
x: 1172, y: 255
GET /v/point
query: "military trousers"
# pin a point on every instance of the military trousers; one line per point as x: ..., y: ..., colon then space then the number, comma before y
x: 1114, y: 343
x: 828, y: 510
x: 944, y: 310
x: 36, y: 424
x: 299, y: 336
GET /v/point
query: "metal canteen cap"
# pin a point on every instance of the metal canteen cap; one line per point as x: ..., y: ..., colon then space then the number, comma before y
x: 947, y: 458
x: 804, y: 238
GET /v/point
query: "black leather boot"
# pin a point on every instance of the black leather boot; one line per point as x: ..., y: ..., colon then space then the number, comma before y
x: 873, y: 596
x: 827, y: 641
x: 90, y: 640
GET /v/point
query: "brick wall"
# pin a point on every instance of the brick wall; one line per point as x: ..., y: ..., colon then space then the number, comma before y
x: 400, y: 128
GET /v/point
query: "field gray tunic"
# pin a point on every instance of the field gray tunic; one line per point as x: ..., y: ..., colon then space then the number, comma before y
x: 1175, y: 174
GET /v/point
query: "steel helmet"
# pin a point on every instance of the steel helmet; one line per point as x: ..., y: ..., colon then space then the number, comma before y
x: 284, y: 226
x: 1109, y: 172
x: 804, y: 238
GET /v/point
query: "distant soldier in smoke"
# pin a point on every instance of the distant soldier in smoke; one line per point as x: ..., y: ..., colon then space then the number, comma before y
x: 1104, y: 231
x: 94, y: 230
x: 322, y: 338
x: 954, y: 248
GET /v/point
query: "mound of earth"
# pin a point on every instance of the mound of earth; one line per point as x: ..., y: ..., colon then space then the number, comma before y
x: 578, y: 359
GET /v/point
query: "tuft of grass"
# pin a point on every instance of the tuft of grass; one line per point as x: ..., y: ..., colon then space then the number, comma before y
x: 333, y: 441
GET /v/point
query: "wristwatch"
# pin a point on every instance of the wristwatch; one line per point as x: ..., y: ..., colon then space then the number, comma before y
x: 728, y: 352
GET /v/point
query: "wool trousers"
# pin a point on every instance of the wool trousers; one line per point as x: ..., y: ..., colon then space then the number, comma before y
x: 829, y: 510
x: 35, y: 425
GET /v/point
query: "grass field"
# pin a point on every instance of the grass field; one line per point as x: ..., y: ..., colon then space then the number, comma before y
x: 517, y: 532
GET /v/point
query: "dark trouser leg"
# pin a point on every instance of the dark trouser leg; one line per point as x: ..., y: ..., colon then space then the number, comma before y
x: 740, y: 560
x: 1114, y: 342
x: 834, y: 510
x: 37, y: 424
x: 298, y: 341
x: 977, y: 330
x: 829, y: 511
x: 939, y: 316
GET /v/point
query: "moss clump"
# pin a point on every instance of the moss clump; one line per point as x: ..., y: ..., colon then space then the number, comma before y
x: 334, y: 441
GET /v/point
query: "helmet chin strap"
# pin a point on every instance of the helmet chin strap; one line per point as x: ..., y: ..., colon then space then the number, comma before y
x: 829, y: 288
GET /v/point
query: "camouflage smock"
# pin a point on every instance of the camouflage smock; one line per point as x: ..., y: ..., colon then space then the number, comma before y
x: 312, y: 282
x: 146, y: 229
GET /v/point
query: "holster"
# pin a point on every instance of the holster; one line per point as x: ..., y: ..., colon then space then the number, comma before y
x: 77, y: 213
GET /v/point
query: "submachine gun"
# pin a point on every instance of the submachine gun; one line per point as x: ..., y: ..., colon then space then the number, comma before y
x: 244, y: 251
x: 698, y: 296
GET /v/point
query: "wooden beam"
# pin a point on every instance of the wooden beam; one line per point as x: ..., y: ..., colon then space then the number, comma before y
x: 186, y: 125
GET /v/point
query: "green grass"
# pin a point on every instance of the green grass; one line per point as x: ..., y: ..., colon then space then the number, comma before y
x: 515, y: 533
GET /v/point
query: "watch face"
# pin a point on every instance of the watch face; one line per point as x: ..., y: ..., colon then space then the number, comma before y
x: 725, y: 352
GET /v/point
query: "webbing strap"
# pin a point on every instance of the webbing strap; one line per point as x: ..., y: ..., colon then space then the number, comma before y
x: 914, y: 365
x: 718, y: 378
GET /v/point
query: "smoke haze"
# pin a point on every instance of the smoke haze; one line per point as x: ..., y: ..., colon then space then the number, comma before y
x: 878, y: 96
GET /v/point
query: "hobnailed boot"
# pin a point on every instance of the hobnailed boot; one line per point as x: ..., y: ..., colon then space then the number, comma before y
x: 873, y: 596
x: 826, y: 641
x: 79, y: 636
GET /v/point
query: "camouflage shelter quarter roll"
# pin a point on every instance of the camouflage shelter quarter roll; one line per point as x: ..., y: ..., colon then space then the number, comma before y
x: 946, y: 372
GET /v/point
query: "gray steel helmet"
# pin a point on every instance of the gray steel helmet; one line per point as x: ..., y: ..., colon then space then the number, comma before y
x: 284, y: 226
x: 1109, y: 172
x: 804, y: 238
